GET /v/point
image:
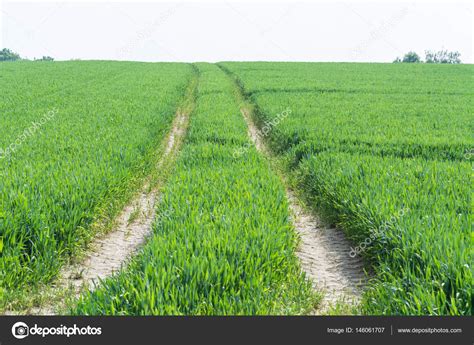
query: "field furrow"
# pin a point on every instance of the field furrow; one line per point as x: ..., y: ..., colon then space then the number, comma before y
x: 272, y: 188
x: 223, y: 241
x: 322, y: 250
x: 73, y: 156
x: 393, y: 171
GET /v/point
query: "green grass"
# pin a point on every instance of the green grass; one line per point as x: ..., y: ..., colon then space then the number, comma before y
x: 384, y: 151
x: 222, y: 241
x: 368, y: 142
x: 83, y: 163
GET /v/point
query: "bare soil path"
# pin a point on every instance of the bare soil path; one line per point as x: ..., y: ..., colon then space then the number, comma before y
x: 110, y: 251
x: 323, y: 251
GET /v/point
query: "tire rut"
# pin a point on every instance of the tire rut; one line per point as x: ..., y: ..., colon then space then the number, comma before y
x: 109, y: 252
x: 324, y: 252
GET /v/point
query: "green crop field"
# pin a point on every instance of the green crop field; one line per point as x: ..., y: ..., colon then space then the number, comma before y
x: 222, y: 243
x: 382, y: 151
x: 74, y: 138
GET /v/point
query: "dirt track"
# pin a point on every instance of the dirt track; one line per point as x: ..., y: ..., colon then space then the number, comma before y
x: 323, y: 252
x: 109, y: 252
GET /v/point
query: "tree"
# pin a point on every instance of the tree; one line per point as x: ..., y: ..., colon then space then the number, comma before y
x: 411, y: 57
x: 45, y: 58
x: 442, y: 56
x: 8, y: 55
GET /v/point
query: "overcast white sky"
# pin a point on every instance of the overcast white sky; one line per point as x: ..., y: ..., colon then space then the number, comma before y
x: 235, y: 30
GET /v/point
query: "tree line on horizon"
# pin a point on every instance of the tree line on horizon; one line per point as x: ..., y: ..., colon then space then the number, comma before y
x: 9, y: 55
x: 441, y: 56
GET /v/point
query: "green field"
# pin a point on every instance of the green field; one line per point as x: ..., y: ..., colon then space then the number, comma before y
x: 368, y: 142
x: 222, y: 244
x: 383, y: 151
x: 83, y: 162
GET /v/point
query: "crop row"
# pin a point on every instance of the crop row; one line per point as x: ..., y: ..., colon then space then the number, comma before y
x: 382, y: 151
x: 222, y: 242
x: 74, y: 146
